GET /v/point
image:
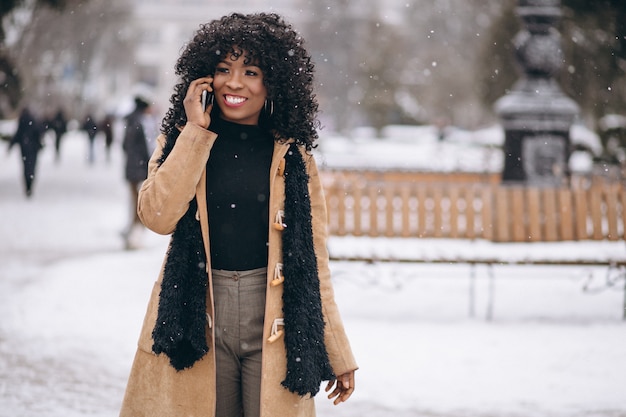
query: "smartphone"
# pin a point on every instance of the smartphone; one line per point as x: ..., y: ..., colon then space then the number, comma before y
x: 207, y: 99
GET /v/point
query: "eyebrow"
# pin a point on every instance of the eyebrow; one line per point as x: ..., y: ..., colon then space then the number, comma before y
x: 230, y: 64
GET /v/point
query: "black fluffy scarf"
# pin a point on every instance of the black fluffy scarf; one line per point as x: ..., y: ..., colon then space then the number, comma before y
x: 180, y: 328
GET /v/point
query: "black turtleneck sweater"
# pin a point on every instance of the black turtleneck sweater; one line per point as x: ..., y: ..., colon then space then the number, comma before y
x: 238, y: 192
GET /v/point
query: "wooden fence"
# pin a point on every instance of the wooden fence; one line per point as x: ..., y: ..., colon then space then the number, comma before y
x: 471, y: 206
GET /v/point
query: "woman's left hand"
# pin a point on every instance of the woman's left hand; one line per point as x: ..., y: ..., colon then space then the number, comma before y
x: 344, y: 387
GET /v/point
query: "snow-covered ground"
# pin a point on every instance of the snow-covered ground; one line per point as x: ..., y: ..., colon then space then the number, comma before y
x: 72, y: 302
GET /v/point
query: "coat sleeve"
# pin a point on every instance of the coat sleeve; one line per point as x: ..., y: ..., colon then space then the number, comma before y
x: 165, y: 195
x: 337, y: 344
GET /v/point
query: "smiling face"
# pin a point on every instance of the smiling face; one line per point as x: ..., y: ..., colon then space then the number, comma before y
x: 239, y: 90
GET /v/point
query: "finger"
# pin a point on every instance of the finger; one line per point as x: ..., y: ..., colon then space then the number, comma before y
x: 347, y: 392
x: 335, y: 393
x: 345, y: 387
x: 194, y: 92
x: 197, y: 86
x: 343, y: 397
x: 329, y: 385
x: 204, y: 83
x: 199, y: 89
x: 201, y: 80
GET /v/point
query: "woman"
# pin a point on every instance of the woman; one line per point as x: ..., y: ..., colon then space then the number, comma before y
x: 135, y: 147
x: 242, y: 320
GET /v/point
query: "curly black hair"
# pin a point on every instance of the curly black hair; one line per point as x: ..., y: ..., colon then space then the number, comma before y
x: 275, y: 47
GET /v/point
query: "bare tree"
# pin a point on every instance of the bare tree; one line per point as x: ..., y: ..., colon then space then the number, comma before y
x: 380, y: 77
x: 332, y: 34
x: 444, y: 40
x: 64, y: 57
x: 13, y: 23
x: 417, y: 66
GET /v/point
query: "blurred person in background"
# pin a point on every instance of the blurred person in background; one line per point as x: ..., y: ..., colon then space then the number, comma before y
x: 242, y: 320
x: 135, y: 147
x: 58, y: 124
x: 29, y: 135
x: 91, y: 128
x: 106, y: 127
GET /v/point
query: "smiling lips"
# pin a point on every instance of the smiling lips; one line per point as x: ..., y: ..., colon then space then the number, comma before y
x: 234, y: 100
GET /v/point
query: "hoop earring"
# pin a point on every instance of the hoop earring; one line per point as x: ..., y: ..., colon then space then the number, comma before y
x: 269, y: 107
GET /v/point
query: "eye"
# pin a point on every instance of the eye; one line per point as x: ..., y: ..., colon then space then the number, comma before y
x: 252, y: 73
x: 222, y: 70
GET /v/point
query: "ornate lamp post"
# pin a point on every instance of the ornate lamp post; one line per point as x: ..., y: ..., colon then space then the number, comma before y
x: 536, y: 114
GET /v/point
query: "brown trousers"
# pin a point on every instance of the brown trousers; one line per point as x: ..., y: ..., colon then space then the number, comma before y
x: 239, y: 314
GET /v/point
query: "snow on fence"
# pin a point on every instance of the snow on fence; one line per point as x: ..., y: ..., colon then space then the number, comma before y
x: 472, y: 206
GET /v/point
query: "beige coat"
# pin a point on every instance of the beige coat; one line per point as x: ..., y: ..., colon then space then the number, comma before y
x: 155, y: 388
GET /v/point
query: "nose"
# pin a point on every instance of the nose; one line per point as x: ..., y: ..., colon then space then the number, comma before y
x: 234, y: 81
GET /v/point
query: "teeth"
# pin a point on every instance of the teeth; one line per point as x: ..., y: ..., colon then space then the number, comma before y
x: 235, y: 100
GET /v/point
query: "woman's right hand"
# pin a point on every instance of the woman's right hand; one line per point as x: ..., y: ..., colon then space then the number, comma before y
x: 193, y: 102
x: 344, y: 387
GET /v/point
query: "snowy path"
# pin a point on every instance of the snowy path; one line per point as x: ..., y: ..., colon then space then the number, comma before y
x: 72, y: 302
